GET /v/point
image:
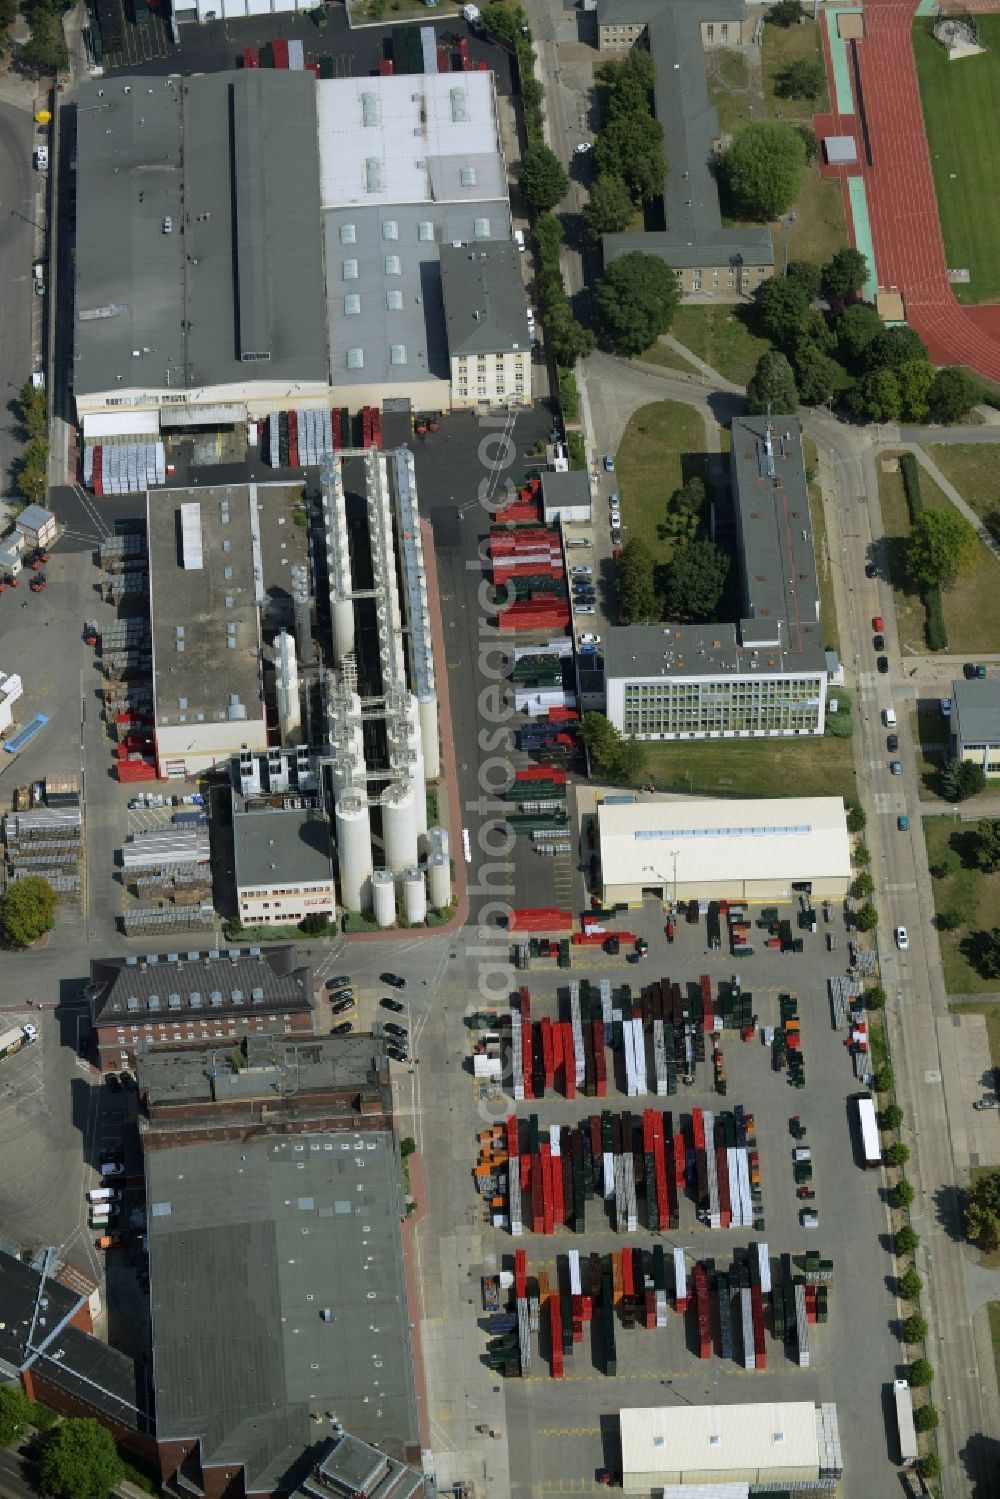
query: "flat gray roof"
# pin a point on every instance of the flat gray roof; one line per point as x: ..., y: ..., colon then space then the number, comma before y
x: 570, y: 488
x: 779, y: 630
x: 277, y: 1292
x: 197, y: 611
x: 276, y: 846
x: 485, y: 307
x: 204, y: 983
x: 205, y: 1074
x: 694, y: 234
x: 232, y: 293
x: 976, y: 710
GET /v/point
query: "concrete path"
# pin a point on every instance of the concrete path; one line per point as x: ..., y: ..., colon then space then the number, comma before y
x: 930, y: 467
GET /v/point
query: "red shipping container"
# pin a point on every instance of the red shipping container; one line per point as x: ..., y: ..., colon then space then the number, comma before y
x: 555, y: 1333
x: 556, y: 1032
x: 722, y: 1174
x: 569, y: 1059
x: 701, y: 1307
x: 650, y: 1309
x: 280, y: 52
x: 251, y: 57
x: 680, y: 1161
x: 628, y: 1282
x: 520, y: 1273
x: 698, y: 1128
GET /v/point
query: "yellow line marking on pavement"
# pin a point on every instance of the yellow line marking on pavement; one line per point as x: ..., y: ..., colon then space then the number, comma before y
x: 569, y: 1431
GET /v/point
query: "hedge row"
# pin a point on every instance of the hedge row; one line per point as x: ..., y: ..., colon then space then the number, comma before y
x: 934, y: 630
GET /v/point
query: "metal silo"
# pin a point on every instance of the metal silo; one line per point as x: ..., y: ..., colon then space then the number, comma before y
x: 399, y: 827
x: 439, y: 880
x: 414, y: 896
x: 384, y: 897
x: 354, y: 848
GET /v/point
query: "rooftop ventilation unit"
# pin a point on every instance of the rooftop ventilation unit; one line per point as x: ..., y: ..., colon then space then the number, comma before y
x: 191, y: 547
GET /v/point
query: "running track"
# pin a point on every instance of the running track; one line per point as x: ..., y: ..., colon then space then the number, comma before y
x: 902, y: 205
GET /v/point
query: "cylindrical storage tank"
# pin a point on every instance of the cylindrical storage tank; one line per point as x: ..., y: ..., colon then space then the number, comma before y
x: 399, y: 828
x: 438, y: 839
x: 413, y: 743
x: 414, y: 896
x: 429, y: 735
x: 354, y: 849
x: 384, y: 897
x: 439, y: 880
x: 342, y: 613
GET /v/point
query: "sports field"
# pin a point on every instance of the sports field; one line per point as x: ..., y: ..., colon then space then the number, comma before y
x: 961, y: 102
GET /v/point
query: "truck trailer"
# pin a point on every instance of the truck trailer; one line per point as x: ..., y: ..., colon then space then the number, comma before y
x: 871, y: 1150
x: 904, y: 1421
x: 16, y: 1039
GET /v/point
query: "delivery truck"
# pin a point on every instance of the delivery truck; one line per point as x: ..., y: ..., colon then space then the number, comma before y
x: 871, y: 1150
x: 904, y: 1421
x: 16, y: 1039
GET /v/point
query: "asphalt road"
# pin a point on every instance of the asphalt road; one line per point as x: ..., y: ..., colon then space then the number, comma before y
x: 18, y: 182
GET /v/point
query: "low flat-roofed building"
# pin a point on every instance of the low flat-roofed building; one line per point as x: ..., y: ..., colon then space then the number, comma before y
x: 36, y: 524
x: 353, y: 1469
x: 282, y: 838
x: 759, y: 1443
x: 686, y: 849
x: 486, y: 324
x: 975, y: 722
x: 278, y: 1295
x: 205, y: 595
x: 565, y: 497
x: 199, y: 283
x: 191, y: 998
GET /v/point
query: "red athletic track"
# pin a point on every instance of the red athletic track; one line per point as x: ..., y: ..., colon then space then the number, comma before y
x: 902, y: 205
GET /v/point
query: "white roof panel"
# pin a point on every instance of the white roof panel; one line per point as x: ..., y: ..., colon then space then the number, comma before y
x: 716, y: 1439
x: 793, y: 838
x: 120, y: 423
x: 416, y: 136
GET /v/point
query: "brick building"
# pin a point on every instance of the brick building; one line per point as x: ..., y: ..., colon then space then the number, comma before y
x: 138, y: 1003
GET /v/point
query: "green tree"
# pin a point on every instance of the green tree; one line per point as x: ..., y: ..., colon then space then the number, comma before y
x: 856, y: 327
x: 636, y: 298
x: 817, y: 375
x: 544, y: 182
x: 891, y: 1117
x: 801, y: 79
x: 884, y: 1079
x: 80, y: 1461
x: 856, y: 818
x: 893, y: 347
x: 315, y: 924
x: 910, y: 1285
x: 33, y: 410
x: 914, y: 1328
x: 639, y: 66
x: 32, y: 475
x: 610, y: 208
x: 568, y: 339
x: 504, y: 21
x: 930, y: 1464
x: 881, y: 399
x: 982, y: 1210
x: 636, y: 588
x: 874, y: 998
x: 569, y: 395
x: 866, y: 917
x: 961, y: 779
x: 696, y: 579
x: 46, y: 46
x: 762, y: 169
x: 862, y: 885
x: 619, y: 758
x: 915, y: 378
x: 905, y: 1241
x: 953, y: 394
x: 782, y: 306
x: 921, y: 1374
x: 807, y: 275
x: 950, y: 919
x: 862, y: 853
x: 807, y: 136
x: 925, y: 1418
x: 987, y: 844
x: 631, y: 147
x: 844, y: 275
x: 532, y: 94
x: 897, y: 1154
x: 785, y: 13
x: 772, y: 386
x: 13, y: 1415
x: 407, y: 1146
x: 547, y: 235
x: 27, y: 910
x: 902, y: 1194
x: 684, y: 511
x: 942, y: 545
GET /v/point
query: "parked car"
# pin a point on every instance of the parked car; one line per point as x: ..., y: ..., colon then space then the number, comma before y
x: 590, y: 639
x: 892, y: 743
x: 393, y: 979
x: 902, y: 938
x: 583, y: 148
x: 341, y: 982
x: 582, y: 572
x: 903, y: 823
x: 347, y: 994
x: 342, y: 1029
x: 112, y: 1168
x: 878, y: 624
x: 883, y: 665
x: 388, y: 1003
x: 616, y: 535
x: 397, y: 1053
x: 609, y: 463
x: 338, y: 1006
x: 613, y: 502
x: 987, y: 1103
x: 871, y: 571
x: 971, y: 670
x: 112, y: 1083
x: 879, y: 642
x: 896, y: 767
x: 392, y: 1029
x: 586, y: 609
x: 946, y: 707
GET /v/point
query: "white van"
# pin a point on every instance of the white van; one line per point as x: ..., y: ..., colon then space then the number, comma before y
x: 889, y: 717
x: 103, y: 1194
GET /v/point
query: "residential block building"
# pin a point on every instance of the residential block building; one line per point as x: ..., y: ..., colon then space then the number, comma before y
x: 975, y: 723
x: 486, y: 321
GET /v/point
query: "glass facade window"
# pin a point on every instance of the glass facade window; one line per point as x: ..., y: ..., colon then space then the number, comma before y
x: 666, y: 709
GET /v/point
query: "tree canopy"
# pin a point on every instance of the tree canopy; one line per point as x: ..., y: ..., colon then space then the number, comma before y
x: 782, y: 306
x: 772, y: 386
x: 610, y: 208
x: 619, y: 758
x: 684, y: 512
x: 27, y: 910
x: 982, y: 1210
x: 987, y: 844
x: 544, y: 182
x: 801, y: 79
x: 856, y: 327
x: 961, y: 779
x: 632, y: 148
x: 807, y: 275
x: 636, y: 586
x: 893, y: 347
x: 785, y: 13
x: 636, y: 298
x: 504, y: 21
x: 953, y: 394
x: 762, y: 169
x: 80, y: 1461
x: 695, y: 580
x: 844, y: 275
x: 942, y: 545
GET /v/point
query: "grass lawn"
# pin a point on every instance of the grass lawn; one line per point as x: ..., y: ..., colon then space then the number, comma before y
x: 972, y: 895
x: 662, y: 447
x: 729, y: 88
x: 820, y: 229
x: 957, y: 98
x: 668, y: 358
x: 721, y: 337
x: 974, y: 470
x: 930, y: 746
x: 784, y: 45
x: 972, y: 606
x: 754, y: 767
x: 994, y: 1310
x: 827, y: 607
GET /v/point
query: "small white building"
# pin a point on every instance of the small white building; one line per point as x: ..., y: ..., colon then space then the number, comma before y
x: 685, y: 849
x: 11, y: 688
x: 37, y: 525
x: 667, y: 1447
